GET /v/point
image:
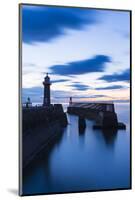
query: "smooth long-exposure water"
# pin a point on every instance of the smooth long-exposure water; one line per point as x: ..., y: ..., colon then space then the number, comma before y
x: 94, y: 160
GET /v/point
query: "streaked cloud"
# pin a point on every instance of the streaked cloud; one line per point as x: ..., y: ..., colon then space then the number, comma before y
x: 42, y: 24
x: 94, y: 64
x: 114, y: 87
x: 59, y: 81
x: 124, y: 76
x: 36, y: 94
x: 80, y: 87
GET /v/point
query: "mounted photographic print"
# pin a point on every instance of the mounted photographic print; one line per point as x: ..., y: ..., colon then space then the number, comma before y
x: 75, y: 107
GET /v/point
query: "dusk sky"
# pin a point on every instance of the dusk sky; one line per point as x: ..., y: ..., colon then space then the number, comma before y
x: 85, y: 51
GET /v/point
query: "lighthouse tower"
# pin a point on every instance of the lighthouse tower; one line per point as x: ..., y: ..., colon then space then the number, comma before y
x: 46, y: 83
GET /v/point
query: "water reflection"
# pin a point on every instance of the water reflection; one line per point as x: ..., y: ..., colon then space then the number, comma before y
x: 81, y: 125
x: 110, y: 136
x: 41, y: 165
x: 82, y: 134
x: 87, y: 160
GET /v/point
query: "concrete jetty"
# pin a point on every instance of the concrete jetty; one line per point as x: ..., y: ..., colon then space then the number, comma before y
x: 103, y: 113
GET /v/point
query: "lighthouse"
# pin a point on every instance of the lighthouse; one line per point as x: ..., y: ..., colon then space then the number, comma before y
x: 46, y: 84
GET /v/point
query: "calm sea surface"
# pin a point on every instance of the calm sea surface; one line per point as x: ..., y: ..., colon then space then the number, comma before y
x: 90, y: 161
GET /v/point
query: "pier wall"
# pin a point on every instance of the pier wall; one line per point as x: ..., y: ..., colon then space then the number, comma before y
x: 102, y: 113
x: 40, y: 127
x: 84, y: 112
x: 35, y: 116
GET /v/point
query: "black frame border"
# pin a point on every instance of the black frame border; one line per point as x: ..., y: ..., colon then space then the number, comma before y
x: 20, y: 175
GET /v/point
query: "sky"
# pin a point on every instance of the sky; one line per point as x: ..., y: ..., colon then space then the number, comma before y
x: 85, y: 51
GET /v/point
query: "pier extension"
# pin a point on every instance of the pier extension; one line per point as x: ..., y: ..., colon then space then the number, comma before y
x: 102, y: 113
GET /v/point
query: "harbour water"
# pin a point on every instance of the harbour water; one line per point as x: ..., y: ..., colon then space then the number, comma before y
x: 93, y: 160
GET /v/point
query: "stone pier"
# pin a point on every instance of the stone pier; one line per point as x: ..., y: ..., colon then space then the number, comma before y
x: 103, y: 113
x: 41, y: 125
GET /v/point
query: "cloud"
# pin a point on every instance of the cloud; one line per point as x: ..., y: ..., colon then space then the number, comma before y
x: 110, y: 87
x: 42, y: 24
x: 94, y: 64
x: 124, y: 76
x: 59, y: 81
x: 35, y: 94
x: 81, y: 87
